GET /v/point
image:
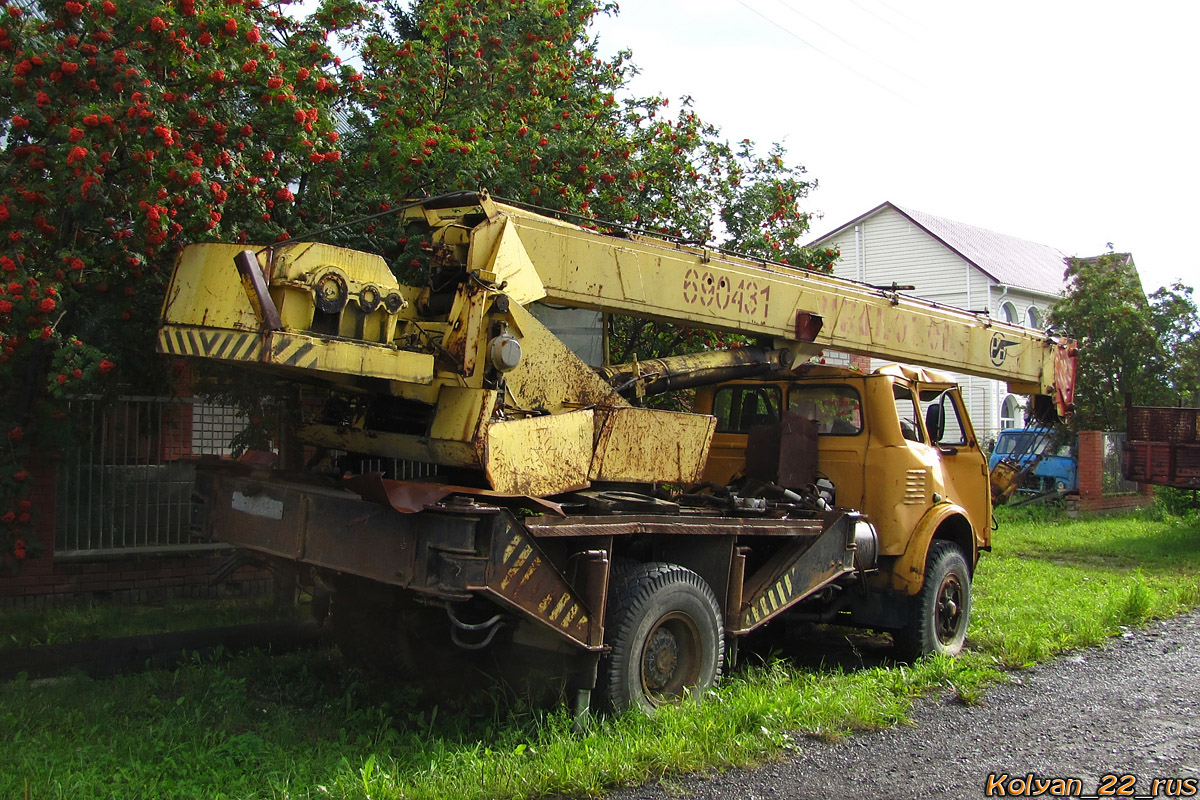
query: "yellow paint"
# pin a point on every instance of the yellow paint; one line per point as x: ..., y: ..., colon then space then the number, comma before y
x: 516, y: 567
x: 391, y: 445
x: 203, y: 342
x: 558, y: 608
x: 531, y: 570
x: 908, y: 571
x: 462, y: 413
x: 319, y: 354
x: 572, y: 612
x: 539, y: 455
x: 206, y: 291
x: 649, y: 277
x: 497, y: 248
x: 648, y: 445
x: 525, y: 554
x: 550, y: 376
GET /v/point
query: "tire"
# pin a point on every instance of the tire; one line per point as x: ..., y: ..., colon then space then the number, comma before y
x: 665, y: 637
x: 938, y: 615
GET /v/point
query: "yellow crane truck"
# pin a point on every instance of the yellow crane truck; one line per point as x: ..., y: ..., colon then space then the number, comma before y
x: 570, y: 529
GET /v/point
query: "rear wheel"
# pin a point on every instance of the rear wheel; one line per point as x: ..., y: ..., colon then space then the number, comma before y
x: 938, y: 615
x: 665, y: 634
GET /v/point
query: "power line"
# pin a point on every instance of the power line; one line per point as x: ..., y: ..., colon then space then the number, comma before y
x: 818, y: 50
x: 897, y: 12
x: 882, y: 19
x: 846, y: 41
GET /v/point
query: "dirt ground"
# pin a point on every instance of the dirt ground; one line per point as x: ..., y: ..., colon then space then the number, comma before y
x: 1128, y: 711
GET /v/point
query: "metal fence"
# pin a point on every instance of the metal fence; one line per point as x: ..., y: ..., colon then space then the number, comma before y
x: 126, y: 484
x: 1112, y: 478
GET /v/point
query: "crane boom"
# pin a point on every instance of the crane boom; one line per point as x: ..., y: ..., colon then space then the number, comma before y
x: 462, y: 374
x: 656, y: 279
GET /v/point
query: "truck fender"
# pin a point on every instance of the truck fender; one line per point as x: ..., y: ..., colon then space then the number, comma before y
x: 944, y: 521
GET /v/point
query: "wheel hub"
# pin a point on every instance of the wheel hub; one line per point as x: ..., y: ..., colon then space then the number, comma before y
x: 949, y: 608
x: 660, y: 660
x: 671, y: 658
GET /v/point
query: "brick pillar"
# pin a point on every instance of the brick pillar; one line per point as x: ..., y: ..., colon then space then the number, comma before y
x: 43, y: 493
x: 1090, y: 458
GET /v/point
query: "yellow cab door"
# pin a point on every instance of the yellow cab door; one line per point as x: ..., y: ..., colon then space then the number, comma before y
x: 964, y: 466
x: 901, y: 472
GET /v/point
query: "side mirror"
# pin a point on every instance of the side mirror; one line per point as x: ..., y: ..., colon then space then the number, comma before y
x: 935, y: 421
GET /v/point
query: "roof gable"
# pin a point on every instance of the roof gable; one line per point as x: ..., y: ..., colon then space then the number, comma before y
x: 1005, y: 259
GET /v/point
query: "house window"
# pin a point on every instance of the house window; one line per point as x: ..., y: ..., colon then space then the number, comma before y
x: 1033, y: 318
x: 1008, y: 312
x: 1010, y: 412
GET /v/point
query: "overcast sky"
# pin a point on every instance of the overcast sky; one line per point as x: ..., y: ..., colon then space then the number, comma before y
x: 1072, y: 124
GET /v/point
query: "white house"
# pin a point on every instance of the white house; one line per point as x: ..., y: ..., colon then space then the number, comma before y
x: 959, y: 265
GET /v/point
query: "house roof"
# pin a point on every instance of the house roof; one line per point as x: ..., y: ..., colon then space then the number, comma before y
x: 1005, y: 259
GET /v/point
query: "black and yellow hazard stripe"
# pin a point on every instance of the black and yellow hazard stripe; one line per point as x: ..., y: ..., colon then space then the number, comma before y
x: 294, y: 351
x: 208, y: 343
x: 775, y: 598
x: 559, y: 606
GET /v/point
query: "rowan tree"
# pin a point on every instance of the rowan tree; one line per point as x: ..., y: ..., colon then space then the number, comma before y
x: 127, y: 129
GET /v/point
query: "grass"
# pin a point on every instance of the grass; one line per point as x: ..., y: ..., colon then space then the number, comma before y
x: 77, y: 623
x: 1055, y: 584
x: 300, y: 726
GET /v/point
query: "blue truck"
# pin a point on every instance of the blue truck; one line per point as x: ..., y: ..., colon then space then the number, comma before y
x: 1048, y: 461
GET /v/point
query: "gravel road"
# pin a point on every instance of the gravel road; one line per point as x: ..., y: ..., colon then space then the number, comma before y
x: 1130, y: 708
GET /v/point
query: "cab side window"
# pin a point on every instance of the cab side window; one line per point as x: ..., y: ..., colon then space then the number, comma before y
x: 907, y: 410
x: 739, y: 408
x: 952, y: 433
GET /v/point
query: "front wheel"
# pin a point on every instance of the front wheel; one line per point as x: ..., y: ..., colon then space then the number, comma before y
x: 665, y: 637
x: 939, y: 613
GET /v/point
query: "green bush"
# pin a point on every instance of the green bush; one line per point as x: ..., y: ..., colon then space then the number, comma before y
x: 1177, y: 502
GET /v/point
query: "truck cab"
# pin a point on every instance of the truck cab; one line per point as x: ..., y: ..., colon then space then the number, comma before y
x: 1051, y: 465
x: 895, y: 444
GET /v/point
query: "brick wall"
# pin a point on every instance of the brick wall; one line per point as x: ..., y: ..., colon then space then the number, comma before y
x: 44, y: 581
x: 1092, y: 497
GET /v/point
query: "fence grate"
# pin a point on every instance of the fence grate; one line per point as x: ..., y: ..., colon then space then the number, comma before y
x: 1112, y: 480
x: 126, y: 485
